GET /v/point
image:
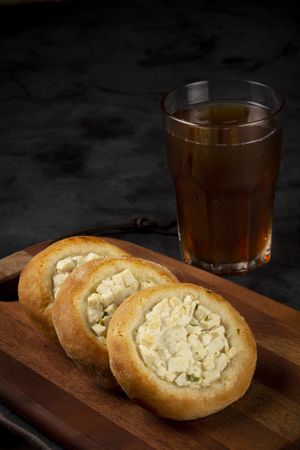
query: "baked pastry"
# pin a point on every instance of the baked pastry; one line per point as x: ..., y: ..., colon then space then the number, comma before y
x: 43, y: 276
x: 181, y: 351
x: 87, y: 301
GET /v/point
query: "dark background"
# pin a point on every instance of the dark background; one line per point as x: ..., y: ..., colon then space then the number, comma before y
x: 80, y: 130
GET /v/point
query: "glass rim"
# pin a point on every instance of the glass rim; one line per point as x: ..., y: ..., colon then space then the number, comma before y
x: 229, y: 126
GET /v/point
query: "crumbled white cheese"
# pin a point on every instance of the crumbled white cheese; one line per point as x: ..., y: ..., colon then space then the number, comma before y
x: 211, y: 375
x: 108, y: 295
x: 118, y: 279
x: 181, y: 380
x: 221, y: 362
x: 208, y: 363
x: 94, y: 301
x: 205, y: 338
x: 201, y: 312
x: 177, y: 364
x: 111, y: 309
x: 98, y: 329
x: 90, y: 257
x: 57, y: 281
x: 59, y: 278
x: 94, y: 315
x: 210, y: 321
x: 184, y: 343
x: 78, y: 259
x: 66, y: 265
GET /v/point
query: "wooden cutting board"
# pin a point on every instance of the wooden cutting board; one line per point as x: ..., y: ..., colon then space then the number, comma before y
x: 39, y: 382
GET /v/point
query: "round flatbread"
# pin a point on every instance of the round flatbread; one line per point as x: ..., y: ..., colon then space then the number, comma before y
x: 44, y: 275
x: 87, y: 301
x: 181, y: 351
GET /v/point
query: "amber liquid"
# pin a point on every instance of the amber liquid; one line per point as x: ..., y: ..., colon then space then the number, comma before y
x: 225, y: 181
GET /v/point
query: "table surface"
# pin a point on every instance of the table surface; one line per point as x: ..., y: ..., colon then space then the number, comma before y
x: 40, y: 382
x: 80, y: 132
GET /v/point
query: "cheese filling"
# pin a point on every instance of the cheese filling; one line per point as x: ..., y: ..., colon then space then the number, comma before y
x: 184, y: 343
x: 65, y: 266
x: 109, y: 294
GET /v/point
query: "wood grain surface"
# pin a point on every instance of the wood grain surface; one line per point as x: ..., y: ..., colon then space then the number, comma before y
x: 39, y: 382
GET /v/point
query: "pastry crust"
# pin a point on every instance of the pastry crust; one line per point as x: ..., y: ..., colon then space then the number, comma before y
x: 165, y: 398
x: 70, y: 311
x: 36, y: 287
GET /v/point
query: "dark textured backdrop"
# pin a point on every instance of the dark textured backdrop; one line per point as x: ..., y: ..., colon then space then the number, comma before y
x: 80, y: 130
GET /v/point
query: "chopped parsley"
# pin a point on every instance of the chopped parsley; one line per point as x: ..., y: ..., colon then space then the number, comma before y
x: 238, y: 331
x: 191, y: 377
x: 206, y: 318
x: 101, y: 320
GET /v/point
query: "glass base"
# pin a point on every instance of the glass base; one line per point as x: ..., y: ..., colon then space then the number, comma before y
x: 242, y: 267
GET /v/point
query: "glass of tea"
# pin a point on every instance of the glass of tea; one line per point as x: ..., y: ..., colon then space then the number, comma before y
x: 223, y: 145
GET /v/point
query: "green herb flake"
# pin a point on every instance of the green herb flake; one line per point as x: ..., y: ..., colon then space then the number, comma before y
x: 206, y: 318
x: 196, y: 307
x: 104, y: 314
x: 191, y: 377
x: 238, y: 331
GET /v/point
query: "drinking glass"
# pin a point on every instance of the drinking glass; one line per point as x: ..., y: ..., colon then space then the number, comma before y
x: 223, y: 145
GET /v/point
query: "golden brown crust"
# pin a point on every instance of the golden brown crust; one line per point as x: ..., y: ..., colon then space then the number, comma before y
x: 35, y: 285
x: 69, y: 311
x: 161, y: 397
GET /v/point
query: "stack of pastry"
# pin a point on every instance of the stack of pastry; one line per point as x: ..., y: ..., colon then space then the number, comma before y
x: 178, y: 349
